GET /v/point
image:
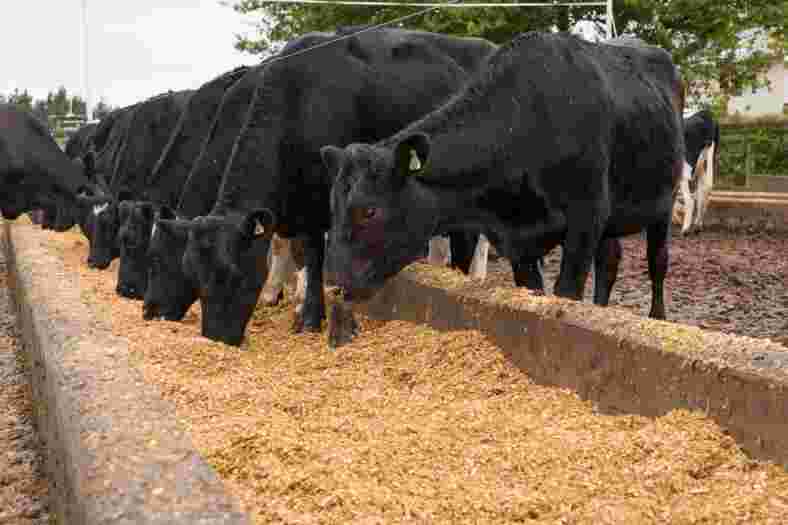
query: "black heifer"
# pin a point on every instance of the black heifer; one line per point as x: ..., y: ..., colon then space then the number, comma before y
x: 34, y: 171
x: 557, y: 141
x: 148, y: 131
x: 59, y: 212
x: 366, y: 86
x: 170, y: 292
x: 166, y: 181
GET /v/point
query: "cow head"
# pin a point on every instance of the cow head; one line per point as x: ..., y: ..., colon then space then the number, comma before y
x: 169, y: 293
x: 16, y: 197
x: 227, y: 257
x: 136, y: 222
x: 382, y: 217
x: 104, y: 224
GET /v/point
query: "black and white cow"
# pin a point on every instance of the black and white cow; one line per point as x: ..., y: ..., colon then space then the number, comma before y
x: 34, y: 171
x: 361, y: 88
x: 556, y: 141
x: 702, y: 139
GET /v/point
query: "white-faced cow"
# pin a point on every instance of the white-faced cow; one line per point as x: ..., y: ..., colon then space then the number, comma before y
x: 702, y: 139
x: 362, y: 88
x: 556, y: 141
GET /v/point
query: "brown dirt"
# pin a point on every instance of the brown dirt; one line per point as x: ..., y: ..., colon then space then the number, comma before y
x: 23, y: 487
x: 719, y: 280
x: 408, y: 425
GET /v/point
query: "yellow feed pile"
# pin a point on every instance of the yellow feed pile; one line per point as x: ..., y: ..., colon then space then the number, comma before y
x: 408, y: 425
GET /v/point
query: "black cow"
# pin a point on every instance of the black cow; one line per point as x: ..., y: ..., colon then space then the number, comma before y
x: 58, y: 212
x: 166, y: 181
x: 81, y: 141
x: 170, y: 292
x: 149, y: 128
x: 365, y: 86
x: 34, y: 171
x: 702, y: 138
x: 557, y: 141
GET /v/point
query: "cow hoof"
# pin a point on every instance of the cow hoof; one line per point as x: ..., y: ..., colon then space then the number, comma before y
x: 342, y: 326
x: 273, y: 300
x: 297, y: 326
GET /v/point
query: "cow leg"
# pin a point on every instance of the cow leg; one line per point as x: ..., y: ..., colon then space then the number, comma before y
x: 705, y: 184
x: 606, y: 262
x: 658, y: 255
x: 300, y: 291
x: 281, y: 267
x: 478, y: 268
x: 582, y: 239
x: 439, y: 251
x: 461, y: 246
x: 527, y: 272
x: 314, y: 310
x: 689, y: 201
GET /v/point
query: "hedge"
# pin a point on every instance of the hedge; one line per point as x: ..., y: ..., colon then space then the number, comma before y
x: 752, y: 147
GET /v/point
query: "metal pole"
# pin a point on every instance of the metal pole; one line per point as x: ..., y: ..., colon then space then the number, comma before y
x: 85, y: 71
x: 609, y: 19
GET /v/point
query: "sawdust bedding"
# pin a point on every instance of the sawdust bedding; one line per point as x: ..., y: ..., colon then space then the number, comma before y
x: 409, y: 425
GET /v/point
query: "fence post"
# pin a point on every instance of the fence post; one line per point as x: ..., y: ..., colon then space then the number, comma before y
x: 748, y: 163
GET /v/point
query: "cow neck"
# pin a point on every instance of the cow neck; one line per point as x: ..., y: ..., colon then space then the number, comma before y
x: 252, y: 176
x: 55, y: 166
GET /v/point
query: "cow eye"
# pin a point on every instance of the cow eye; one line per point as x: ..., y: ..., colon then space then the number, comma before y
x: 362, y: 216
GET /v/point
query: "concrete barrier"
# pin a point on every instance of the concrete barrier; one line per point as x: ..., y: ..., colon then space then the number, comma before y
x: 625, y: 363
x: 115, y: 453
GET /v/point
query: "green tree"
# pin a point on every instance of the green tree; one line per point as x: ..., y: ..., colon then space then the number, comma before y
x: 59, y: 103
x: 78, y: 106
x: 23, y: 99
x: 718, y: 44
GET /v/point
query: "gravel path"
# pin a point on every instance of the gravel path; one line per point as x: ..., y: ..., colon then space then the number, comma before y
x: 23, y: 487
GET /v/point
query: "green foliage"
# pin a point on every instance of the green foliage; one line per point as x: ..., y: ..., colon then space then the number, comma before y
x: 708, y: 38
x: 281, y: 22
x: 757, y: 146
x: 23, y: 99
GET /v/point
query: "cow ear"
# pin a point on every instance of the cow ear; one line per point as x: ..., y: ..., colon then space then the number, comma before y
x: 165, y: 212
x: 333, y: 159
x: 411, y: 154
x: 259, y: 223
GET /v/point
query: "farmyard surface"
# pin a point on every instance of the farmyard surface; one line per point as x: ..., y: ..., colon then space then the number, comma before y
x: 410, y: 425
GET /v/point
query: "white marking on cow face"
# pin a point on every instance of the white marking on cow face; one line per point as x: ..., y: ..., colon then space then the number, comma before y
x: 153, y: 231
x: 415, y: 163
x: 100, y: 208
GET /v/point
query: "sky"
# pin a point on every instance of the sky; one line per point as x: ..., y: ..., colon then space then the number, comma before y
x: 136, y: 48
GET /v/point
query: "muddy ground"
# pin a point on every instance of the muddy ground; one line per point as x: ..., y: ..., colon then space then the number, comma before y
x: 733, y: 282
